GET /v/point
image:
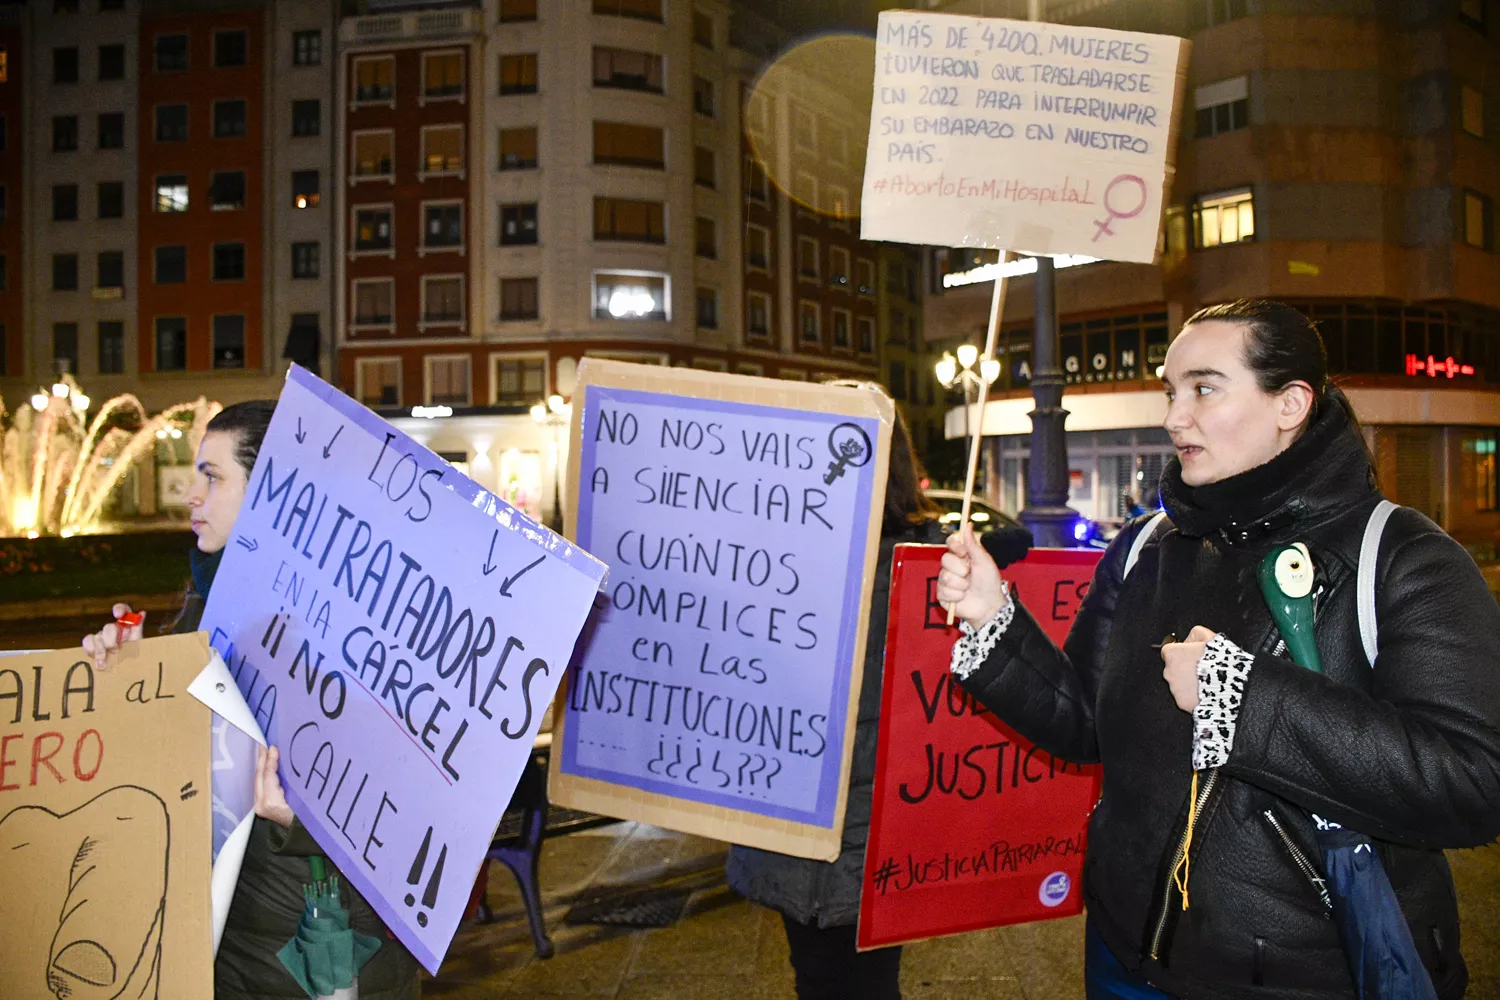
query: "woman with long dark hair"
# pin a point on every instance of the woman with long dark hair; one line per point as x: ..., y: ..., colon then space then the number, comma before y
x: 819, y: 901
x: 1202, y: 877
x: 268, y: 901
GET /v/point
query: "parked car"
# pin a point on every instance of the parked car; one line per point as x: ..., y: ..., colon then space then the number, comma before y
x: 983, y: 516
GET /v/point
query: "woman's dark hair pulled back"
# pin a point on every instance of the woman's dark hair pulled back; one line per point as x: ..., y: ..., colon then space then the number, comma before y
x: 247, y: 422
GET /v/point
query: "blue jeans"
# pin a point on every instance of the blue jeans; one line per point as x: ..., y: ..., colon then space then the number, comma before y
x: 1104, y: 978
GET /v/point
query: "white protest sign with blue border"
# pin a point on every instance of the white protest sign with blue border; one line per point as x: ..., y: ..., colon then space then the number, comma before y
x: 715, y: 689
x: 1020, y: 135
x: 398, y: 632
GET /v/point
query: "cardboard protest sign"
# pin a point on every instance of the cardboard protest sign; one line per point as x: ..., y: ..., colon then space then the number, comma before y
x: 741, y: 516
x: 971, y: 826
x: 398, y: 633
x: 1020, y: 135
x: 104, y: 824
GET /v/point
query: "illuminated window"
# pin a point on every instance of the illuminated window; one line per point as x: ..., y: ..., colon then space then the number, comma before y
x: 375, y: 80
x: 627, y: 70
x: 372, y: 230
x: 443, y: 149
x: 172, y: 193
x: 629, y: 145
x: 442, y: 75
x: 378, y: 381
x: 518, y: 74
x: 1479, y: 220
x: 1224, y: 218
x: 305, y: 185
x: 518, y: 148
x: 374, y: 154
x: 1479, y: 471
x: 631, y: 295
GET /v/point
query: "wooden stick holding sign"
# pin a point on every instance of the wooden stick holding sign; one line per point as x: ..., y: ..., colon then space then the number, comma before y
x: 997, y: 308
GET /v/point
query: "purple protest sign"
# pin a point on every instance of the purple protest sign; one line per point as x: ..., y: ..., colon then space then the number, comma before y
x: 719, y: 672
x: 398, y: 632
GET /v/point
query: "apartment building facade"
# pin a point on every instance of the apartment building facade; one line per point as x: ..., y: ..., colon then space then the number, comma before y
x: 1342, y: 156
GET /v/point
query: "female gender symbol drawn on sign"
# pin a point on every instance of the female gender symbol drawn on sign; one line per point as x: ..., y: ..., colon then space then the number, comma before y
x: 850, y: 446
x: 1101, y: 227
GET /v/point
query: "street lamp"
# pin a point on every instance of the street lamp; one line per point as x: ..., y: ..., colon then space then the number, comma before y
x: 554, y: 413
x: 960, y: 372
x: 40, y: 400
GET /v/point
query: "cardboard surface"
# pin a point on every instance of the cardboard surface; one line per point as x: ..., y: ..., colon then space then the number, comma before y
x: 1027, y: 136
x: 714, y: 689
x: 972, y: 826
x: 398, y: 633
x: 104, y: 824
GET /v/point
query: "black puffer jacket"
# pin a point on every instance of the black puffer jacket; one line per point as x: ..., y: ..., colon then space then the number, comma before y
x: 1408, y: 752
x: 820, y: 892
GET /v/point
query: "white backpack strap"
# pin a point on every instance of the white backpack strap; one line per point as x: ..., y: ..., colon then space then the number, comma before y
x: 1140, y: 540
x: 1369, y: 553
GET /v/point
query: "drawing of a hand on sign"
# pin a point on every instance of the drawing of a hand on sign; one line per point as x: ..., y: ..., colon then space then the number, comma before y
x: 101, y: 869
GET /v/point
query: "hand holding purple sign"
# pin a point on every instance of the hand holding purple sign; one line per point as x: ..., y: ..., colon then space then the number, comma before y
x: 716, y: 683
x: 401, y: 681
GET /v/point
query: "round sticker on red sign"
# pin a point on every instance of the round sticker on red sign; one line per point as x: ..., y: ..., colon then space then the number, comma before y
x: 1054, y: 889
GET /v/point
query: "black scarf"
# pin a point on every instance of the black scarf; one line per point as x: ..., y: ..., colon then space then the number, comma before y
x: 204, y: 566
x: 1328, y: 466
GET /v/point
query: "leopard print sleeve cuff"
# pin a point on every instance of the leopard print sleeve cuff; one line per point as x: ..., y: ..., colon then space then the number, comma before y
x: 1222, y: 671
x: 975, y: 646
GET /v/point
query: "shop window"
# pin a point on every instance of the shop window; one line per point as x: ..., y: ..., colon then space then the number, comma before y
x: 518, y: 224
x: 171, y: 265
x: 307, y: 48
x: 171, y: 122
x: 229, y: 119
x: 226, y: 191
x: 443, y: 300
x: 374, y: 302
x: 1224, y: 218
x: 1479, y: 469
x: 626, y: 69
x: 111, y: 199
x: 110, y: 339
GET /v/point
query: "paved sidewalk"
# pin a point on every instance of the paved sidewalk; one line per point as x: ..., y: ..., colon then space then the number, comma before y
x: 724, y: 948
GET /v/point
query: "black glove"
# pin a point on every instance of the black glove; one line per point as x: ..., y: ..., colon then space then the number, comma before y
x: 1006, y: 544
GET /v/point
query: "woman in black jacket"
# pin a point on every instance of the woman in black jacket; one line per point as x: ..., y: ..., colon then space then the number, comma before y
x: 1204, y: 895
x: 819, y: 901
x: 268, y: 900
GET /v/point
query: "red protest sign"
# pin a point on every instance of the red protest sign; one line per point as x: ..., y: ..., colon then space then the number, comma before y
x: 971, y: 826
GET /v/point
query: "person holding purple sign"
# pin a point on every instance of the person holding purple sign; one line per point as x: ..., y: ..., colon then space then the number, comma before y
x: 818, y: 900
x: 268, y: 901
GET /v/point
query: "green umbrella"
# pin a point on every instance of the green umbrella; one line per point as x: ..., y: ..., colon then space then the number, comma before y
x: 325, y: 955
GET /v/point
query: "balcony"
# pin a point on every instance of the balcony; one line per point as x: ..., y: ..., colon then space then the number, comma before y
x: 373, y: 28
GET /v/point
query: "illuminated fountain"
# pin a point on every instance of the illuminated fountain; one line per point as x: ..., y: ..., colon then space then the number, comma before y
x: 56, y: 472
